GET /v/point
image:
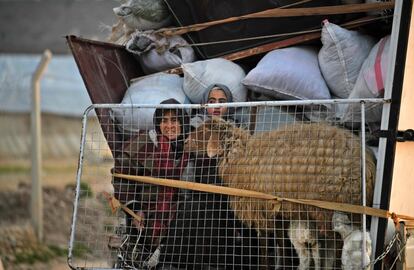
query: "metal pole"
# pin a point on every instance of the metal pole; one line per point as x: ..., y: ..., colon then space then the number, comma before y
x: 36, y: 195
x: 364, y: 188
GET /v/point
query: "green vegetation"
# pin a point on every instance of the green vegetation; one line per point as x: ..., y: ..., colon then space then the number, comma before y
x: 8, y: 169
x: 45, y: 254
x: 61, y: 252
x: 85, y: 190
x: 39, y: 254
x: 80, y: 250
x: 26, y: 168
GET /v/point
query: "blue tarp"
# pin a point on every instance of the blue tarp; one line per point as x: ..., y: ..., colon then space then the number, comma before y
x: 62, y: 89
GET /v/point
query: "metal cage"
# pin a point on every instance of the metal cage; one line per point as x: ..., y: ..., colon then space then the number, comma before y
x: 247, y: 187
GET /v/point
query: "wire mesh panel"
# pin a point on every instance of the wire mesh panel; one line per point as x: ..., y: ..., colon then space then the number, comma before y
x: 250, y: 179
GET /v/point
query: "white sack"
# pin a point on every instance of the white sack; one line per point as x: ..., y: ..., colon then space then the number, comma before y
x: 149, y: 90
x: 289, y: 73
x: 156, y: 53
x: 266, y: 118
x: 370, y: 83
x: 200, y: 74
x: 270, y: 118
x: 341, y: 57
x: 143, y: 14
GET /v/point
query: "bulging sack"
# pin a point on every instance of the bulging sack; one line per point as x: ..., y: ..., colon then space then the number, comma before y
x: 370, y: 83
x: 341, y: 57
x: 143, y: 14
x: 198, y: 75
x: 156, y: 53
x: 148, y: 90
x: 138, y: 15
x: 289, y: 73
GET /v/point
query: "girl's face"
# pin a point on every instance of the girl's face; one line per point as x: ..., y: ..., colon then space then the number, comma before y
x: 217, y: 96
x: 170, y: 125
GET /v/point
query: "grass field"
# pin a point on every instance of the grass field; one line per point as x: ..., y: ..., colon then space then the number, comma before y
x: 19, y: 248
x: 55, y: 173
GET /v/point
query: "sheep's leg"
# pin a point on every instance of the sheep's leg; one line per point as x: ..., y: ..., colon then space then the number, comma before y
x: 329, y: 254
x: 301, y: 235
x: 316, y: 255
x: 263, y: 252
x: 288, y: 254
x: 303, y: 253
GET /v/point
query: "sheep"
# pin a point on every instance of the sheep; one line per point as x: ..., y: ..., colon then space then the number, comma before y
x: 307, y: 161
x: 352, y: 252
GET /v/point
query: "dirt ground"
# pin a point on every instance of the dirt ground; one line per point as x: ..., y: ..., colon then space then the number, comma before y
x: 19, y: 248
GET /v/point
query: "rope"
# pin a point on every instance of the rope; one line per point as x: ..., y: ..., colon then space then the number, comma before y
x: 161, y: 31
x: 280, y: 34
x: 115, y: 205
x: 252, y: 38
x: 297, y: 39
x: 296, y: 3
x: 281, y: 12
x: 343, y: 207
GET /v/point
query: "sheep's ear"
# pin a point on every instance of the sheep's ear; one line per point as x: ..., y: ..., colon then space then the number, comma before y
x: 213, y: 145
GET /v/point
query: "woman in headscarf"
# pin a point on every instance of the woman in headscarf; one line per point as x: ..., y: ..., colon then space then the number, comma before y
x: 215, y: 93
x: 171, y: 126
x: 209, y: 234
x: 160, y: 154
x: 206, y: 168
x: 218, y: 93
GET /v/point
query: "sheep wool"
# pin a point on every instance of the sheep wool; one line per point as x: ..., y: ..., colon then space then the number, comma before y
x: 303, y: 161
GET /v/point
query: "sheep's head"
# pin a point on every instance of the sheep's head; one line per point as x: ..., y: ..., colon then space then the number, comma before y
x: 341, y: 223
x: 211, y: 137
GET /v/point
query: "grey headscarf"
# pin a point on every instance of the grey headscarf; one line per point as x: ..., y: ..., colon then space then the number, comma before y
x: 228, y: 94
x: 225, y: 89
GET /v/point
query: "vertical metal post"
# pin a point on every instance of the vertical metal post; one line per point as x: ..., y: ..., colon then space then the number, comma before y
x: 36, y: 204
x: 364, y: 187
x: 78, y: 180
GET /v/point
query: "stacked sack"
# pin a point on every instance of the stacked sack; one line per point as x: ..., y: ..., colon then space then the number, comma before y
x: 153, y: 89
x: 139, y: 15
x: 349, y: 65
x: 137, y: 20
x: 355, y: 67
